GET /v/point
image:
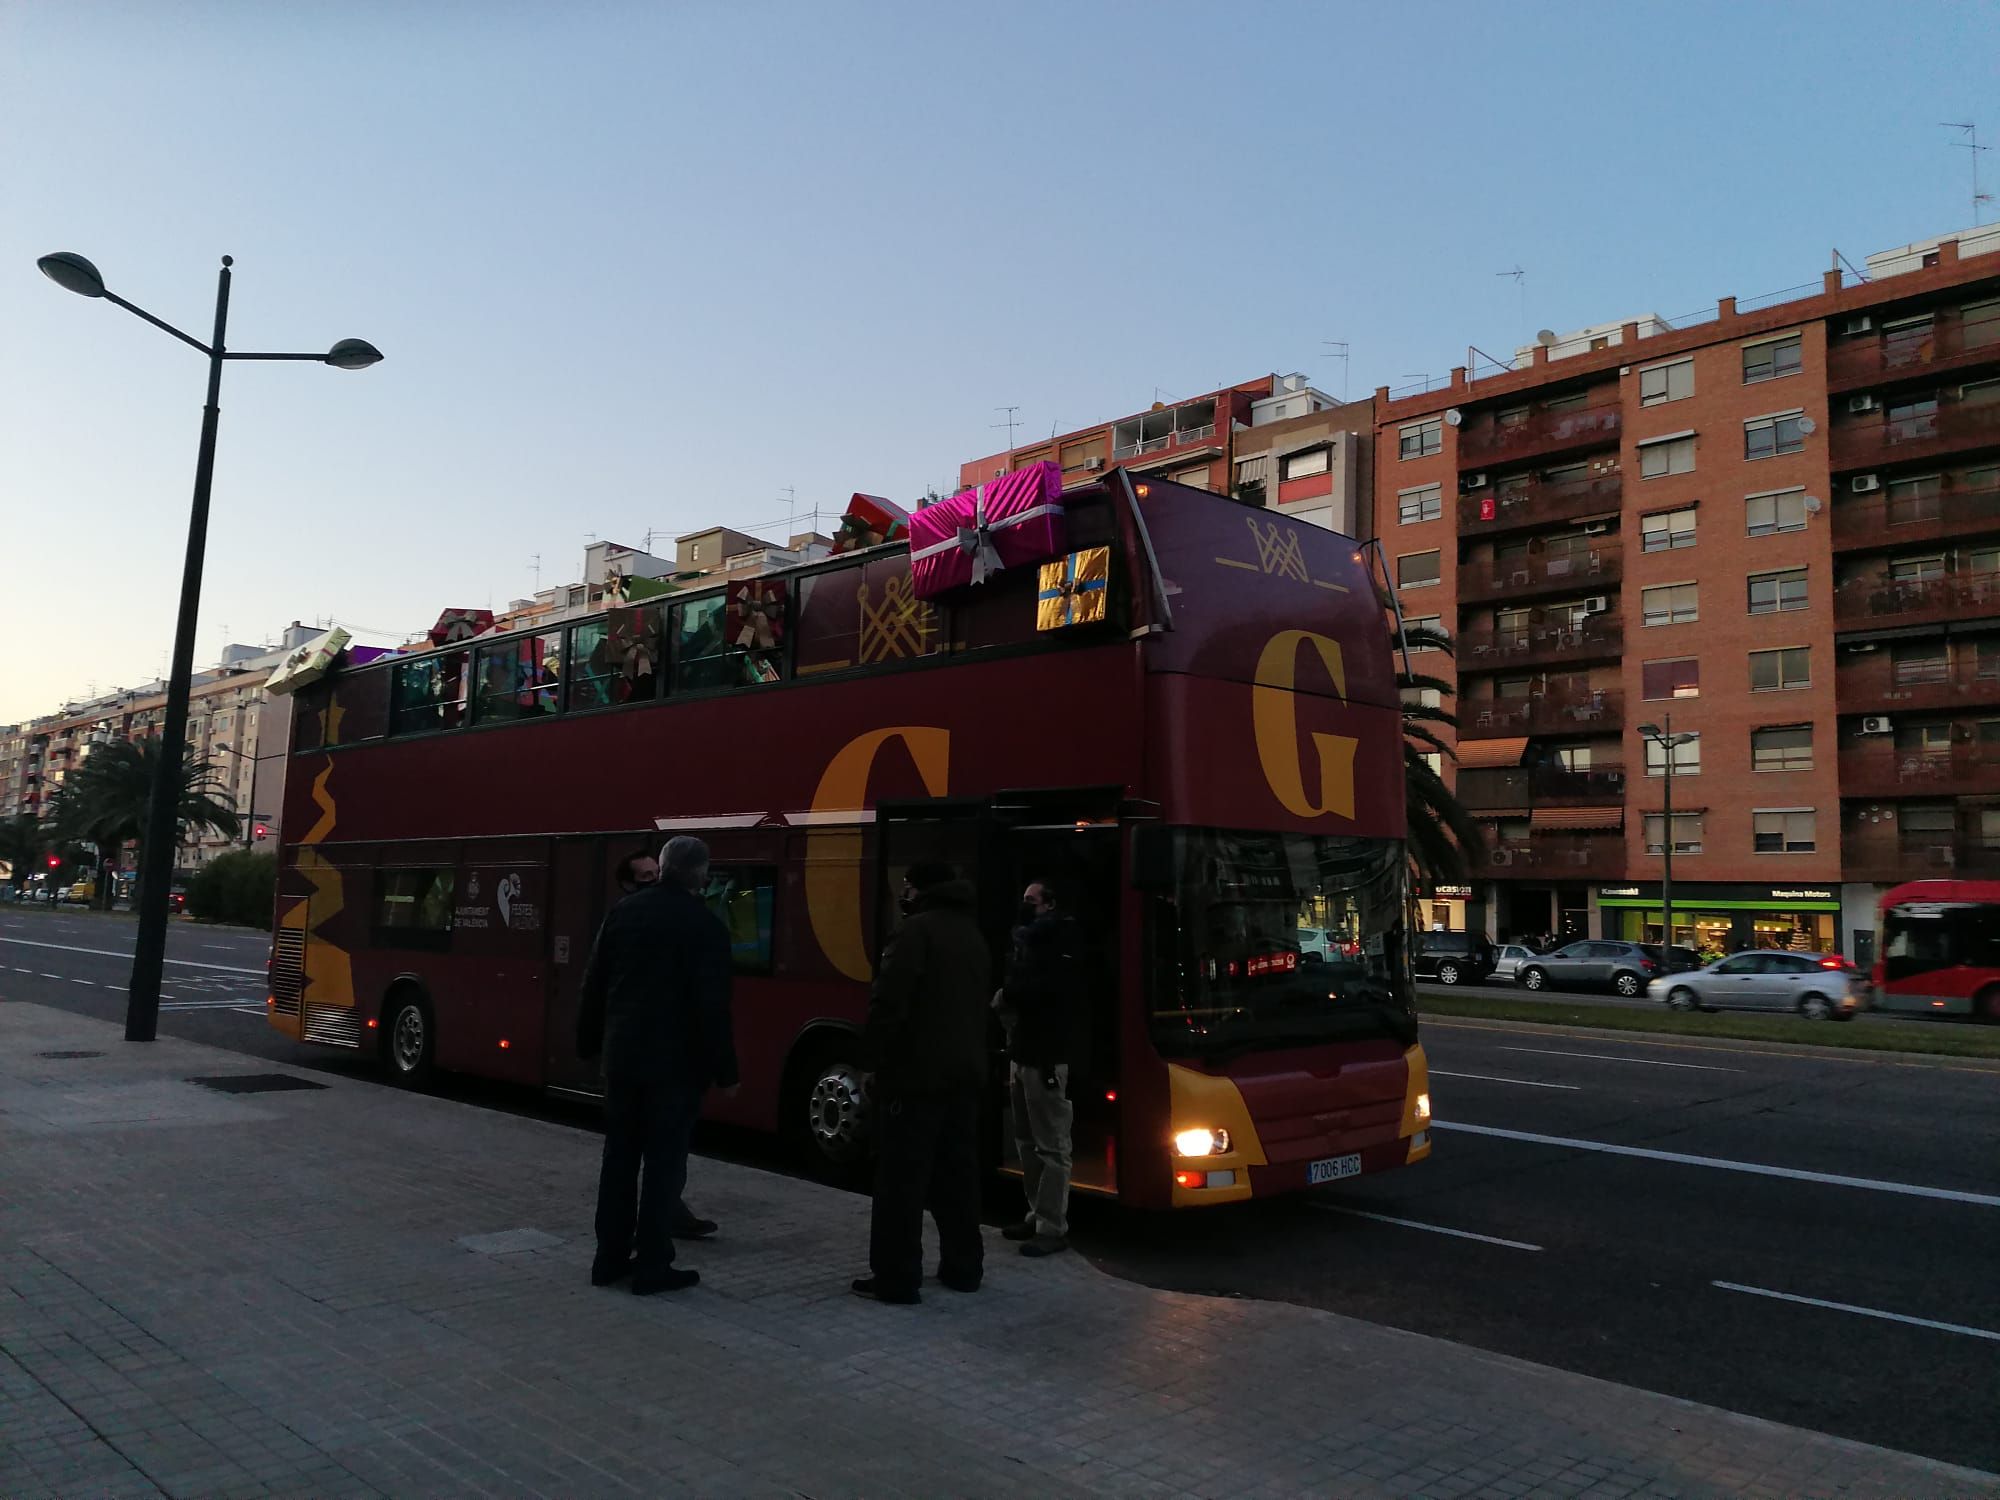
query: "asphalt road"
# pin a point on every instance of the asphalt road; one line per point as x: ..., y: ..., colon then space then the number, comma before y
x: 1847, y: 1284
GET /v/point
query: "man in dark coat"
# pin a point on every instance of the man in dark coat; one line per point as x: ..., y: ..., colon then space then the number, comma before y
x: 926, y: 1044
x: 1043, y: 1006
x: 656, y: 1005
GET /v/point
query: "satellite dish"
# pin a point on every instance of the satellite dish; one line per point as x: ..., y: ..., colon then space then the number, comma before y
x: 1806, y: 425
x: 1813, y: 503
x: 1546, y: 337
x: 1453, y: 417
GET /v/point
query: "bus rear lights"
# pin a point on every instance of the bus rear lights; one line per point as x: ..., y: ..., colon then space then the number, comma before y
x: 1201, y: 1142
x: 505, y: 1044
x: 1111, y: 1096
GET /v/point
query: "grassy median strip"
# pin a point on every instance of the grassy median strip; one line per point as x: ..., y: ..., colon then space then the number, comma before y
x: 1942, y: 1038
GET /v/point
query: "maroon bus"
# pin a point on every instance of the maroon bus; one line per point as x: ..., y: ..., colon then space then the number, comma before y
x: 1189, y: 719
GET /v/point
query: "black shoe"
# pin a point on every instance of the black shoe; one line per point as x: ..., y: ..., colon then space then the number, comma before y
x: 672, y: 1279
x: 694, y: 1229
x: 1025, y: 1230
x: 1045, y: 1244
x: 958, y: 1283
x: 871, y: 1286
x: 602, y: 1274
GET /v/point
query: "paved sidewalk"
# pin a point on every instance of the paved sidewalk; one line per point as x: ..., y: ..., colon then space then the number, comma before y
x: 349, y: 1290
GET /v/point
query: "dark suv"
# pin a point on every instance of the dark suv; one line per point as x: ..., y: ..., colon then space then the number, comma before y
x: 1455, y: 957
x: 1596, y: 964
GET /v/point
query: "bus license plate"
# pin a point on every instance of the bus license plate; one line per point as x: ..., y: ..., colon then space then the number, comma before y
x: 1333, y: 1168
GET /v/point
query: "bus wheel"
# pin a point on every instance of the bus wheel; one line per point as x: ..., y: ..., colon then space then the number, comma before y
x: 409, y: 1042
x: 833, y: 1110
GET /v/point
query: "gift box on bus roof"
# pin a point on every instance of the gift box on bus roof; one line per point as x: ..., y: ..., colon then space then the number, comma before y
x: 1007, y: 522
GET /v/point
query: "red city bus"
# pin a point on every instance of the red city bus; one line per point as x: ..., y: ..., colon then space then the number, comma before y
x: 1211, y: 769
x: 1940, y: 949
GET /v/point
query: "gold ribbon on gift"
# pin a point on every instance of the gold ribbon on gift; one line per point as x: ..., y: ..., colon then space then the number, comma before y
x: 1075, y: 590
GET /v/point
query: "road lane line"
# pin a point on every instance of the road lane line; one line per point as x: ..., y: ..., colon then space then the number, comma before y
x: 1646, y: 1062
x: 74, y: 980
x: 1724, y: 1164
x: 203, y: 1004
x: 1866, y: 1312
x: 249, y: 1010
x: 1737, y: 1046
x: 1457, y: 1234
x: 185, y: 963
x: 1526, y: 1083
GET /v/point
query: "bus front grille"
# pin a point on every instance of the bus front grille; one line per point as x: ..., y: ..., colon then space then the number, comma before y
x: 288, y: 970
x: 335, y: 1026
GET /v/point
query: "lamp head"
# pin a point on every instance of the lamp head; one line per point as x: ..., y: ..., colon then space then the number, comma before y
x: 353, y: 354
x: 72, y: 273
x: 1651, y: 731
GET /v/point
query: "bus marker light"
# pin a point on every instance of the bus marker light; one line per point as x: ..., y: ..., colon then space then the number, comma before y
x: 1111, y: 1096
x: 373, y: 1023
x: 270, y: 999
x: 505, y: 1044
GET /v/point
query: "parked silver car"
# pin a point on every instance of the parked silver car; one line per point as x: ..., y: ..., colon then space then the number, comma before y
x: 1819, y: 986
x: 1509, y: 960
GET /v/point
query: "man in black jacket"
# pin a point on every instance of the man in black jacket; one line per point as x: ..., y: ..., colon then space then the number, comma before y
x: 656, y: 1005
x: 1042, y: 1005
x: 926, y: 1044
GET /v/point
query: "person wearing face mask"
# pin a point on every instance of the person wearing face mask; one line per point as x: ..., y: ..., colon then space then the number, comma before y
x: 1041, y: 1006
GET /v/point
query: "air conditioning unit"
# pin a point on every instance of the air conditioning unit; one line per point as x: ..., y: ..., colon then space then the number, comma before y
x: 1094, y: 463
x: 1877, y: 724
x: 1861, y: 403
x: 1859, y: 324
x: 1596, y: 527
x: 1475, y: 481
x: 1597, y: 604
x: 1503, y: 856
x: 1865, y: 484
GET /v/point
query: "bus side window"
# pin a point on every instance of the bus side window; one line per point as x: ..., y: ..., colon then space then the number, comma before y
x: 745, y: 897
x: 413, y: 907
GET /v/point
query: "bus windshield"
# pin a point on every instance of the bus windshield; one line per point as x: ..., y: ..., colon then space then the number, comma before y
x: 1273, y: 940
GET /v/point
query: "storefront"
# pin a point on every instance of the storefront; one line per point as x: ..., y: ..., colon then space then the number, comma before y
x: 1442, y: 908
x: 1715, y: 919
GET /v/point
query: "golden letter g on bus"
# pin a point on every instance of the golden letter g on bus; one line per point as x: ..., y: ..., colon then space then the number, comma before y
x: 1274, y: 715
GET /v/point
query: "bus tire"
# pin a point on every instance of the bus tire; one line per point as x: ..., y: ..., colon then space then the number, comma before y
x: 409, y: 1037
x: 827, y: 1108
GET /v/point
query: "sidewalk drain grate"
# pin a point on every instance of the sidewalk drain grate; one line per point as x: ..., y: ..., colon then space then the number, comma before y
x: 65, y: 1056
x: 256, y: 1083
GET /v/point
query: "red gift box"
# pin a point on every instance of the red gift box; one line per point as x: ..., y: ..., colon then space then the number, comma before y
x: 870, y: 521
x: 1015, y: 519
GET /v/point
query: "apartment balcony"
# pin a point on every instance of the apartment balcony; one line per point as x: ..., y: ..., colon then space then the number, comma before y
x: 1600, y: 711
x: 1876, y: 683
x: 1880, y: 603
x: 1890, y: 771
x: 1579, y: 571
x: 1878, y: 854
x: 1507, y: 788
x: 1948, y: 347
x: 1558, y: 856
x: 1864, y: 442
x: 1540, y: 434
x: 1597, y: 637
x: 1872, y: 522
x: 1489, y: 512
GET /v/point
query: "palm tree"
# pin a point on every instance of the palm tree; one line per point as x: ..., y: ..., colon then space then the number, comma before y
x: 1444, y: 839
x: 104, y: 801
x: 23, y: 843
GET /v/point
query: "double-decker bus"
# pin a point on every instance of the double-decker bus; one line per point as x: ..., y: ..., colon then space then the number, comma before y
x: 1188, y: 721
x: 1940, y: 949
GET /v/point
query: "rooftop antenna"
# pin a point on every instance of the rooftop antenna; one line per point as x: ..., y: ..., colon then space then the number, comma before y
x: 1972, y: 147
x: 535, y: 562
x: 1840, y: 260
x: 1010, y: 424
x: 1337, y: 349
x: 1520, y: 285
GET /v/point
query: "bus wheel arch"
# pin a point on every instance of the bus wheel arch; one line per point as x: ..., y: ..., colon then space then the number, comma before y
x: 409, y: 1033
x: 824, y: 1100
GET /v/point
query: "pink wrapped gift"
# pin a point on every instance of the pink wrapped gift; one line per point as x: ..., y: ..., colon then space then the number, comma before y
x: 1006, y: 522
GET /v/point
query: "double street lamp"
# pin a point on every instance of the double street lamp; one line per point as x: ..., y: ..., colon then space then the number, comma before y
x: 156, y: 854
x: 1668, y: 742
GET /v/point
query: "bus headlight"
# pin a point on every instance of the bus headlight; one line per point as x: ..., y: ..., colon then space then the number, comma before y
x: 1201, y: 1142
x: 1423, y: 1106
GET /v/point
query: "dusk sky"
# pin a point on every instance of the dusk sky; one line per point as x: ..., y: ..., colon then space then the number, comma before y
x: 643, y: 267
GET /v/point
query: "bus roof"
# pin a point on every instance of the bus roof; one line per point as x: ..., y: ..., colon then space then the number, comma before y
x: 1962, y: 892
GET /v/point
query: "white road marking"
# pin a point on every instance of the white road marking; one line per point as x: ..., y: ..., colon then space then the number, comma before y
x: 250, y: 1010
x: 55, y: 976
x: 1724, y: 1164
x: 204, y: 1004
x: 185, y: 963
x: 74, y: 980
x: 1526, y: 1083
x: 1866, y: 1312
x: 1648, y: 1062
x: 1457, y: 1234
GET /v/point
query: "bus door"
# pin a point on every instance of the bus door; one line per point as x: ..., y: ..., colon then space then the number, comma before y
x: 1070, y: 839
x: 576, y: 906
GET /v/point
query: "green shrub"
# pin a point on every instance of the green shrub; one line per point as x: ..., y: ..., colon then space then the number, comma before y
x: 236, y: 887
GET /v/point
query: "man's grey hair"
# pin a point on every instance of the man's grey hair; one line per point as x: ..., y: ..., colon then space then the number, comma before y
x: 685, y: 861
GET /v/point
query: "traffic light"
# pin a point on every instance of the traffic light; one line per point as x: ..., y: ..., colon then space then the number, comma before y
x: 263, y: 832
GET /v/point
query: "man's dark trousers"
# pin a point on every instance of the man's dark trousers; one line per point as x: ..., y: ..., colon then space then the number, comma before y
x: 652, y: 1122
x: 927, y: 1156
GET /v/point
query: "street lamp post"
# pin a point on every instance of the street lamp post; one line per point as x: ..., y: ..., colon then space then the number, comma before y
x: 156, y: 854
x: 1668, y: 741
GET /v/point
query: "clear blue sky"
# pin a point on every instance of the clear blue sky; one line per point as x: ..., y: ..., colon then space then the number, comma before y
x: 642, y: 266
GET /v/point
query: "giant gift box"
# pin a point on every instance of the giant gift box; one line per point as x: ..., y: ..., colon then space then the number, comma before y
x: 1009, y: 521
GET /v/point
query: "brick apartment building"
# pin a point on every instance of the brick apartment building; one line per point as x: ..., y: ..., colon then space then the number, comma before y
x: 1780, y: 527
